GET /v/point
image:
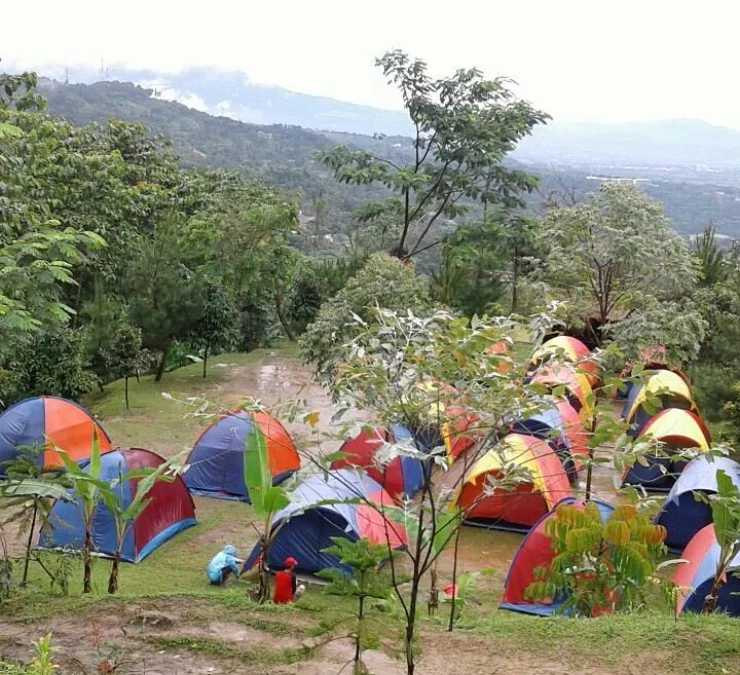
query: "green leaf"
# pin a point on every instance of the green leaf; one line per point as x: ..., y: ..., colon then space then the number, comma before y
x: 33, y: 487
x: 257, y: 474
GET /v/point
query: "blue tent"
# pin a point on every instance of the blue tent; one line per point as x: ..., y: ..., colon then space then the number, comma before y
x: 216, y: 462
x: 325, y: 506
x: 170, y: 510
x: 682, y: 514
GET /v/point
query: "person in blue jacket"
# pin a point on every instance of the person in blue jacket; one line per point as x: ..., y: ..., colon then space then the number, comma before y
x: 223, y: 565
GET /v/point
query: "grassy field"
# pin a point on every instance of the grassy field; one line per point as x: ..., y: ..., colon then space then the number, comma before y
x: 168, y: 617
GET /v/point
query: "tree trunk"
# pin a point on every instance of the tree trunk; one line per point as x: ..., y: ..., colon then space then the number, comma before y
x: 87, y: 561
x: 30, y: 543
x: 205, y: 361
x: 433, y: 603
x: 454, y: 579
x: 358, y: 641
x: 162, y: 365
x: 264, y: 590
x: 281, y: 315
x: 710, y: 601
x: 411, y: 627
x: 589, y: 473
x: 113, y: 578
x: 125, y: 391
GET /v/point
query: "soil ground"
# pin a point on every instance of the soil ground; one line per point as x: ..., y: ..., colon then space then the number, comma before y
x: 169, y: 620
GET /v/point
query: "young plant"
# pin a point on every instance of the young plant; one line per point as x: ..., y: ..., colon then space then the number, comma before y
x: 365, y: 583
x: 30, y: 495
x: 267, y: 499
x: 725, y: 507
x: 88, y: 490
x: 598, y: 567
x: 125, y: 515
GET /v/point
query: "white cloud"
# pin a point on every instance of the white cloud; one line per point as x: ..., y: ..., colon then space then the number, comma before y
x: 577, y: 59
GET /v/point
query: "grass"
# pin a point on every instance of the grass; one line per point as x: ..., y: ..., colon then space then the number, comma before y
x: 173, y: 577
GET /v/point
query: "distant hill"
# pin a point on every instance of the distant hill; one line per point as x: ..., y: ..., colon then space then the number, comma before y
x: 284, y: 156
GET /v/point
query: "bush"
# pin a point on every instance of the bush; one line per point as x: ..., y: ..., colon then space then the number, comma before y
x: 383, y: 281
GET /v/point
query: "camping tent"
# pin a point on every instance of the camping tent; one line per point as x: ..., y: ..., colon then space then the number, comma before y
x: 216, y: 462
x: 677, y: 429
x: 682, y: 515
x: 336, y: 504
x: 569, y: 349
x: 695, y: 577
x: 49, y: 422
x: 521, y: 506
x: 548, y: 425
x: 669, y: 388
x: 536, y: 551
x: 170, y: 510
x: 651, y: 358
x: 573, y: 427
x: 578, y: 391
x: 401, y: 477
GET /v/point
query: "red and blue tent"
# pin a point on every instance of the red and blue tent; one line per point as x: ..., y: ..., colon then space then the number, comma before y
x: 216, y: 462
x: 47, y: 423
x: 339, y: 503
x: 402, y: 477
x: 170, y: 510
x: 696, y: 575
x: 682, y: 514
x: 535, y: 552
x: 677, y: 430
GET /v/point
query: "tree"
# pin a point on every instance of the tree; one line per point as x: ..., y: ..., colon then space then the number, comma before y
x: 612, y: 254
x: 267, y: 499
x: 124, y: 356
x: 218, y: 325
x: 384, y: 282
x: 365, y: 583
x: 464, y: 127
x: 712, y: 267
x: 125, y: 515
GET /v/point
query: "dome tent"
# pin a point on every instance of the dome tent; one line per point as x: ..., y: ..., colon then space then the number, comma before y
x: 49, y: 422
x: 518, y: 508
x: 682, y: 514
x: 578, y: 391
x: 336, y: 504
x: 536, y: 551
x: 216, y: 462
x: 548, y: 425
x: 170, y: 510
x: 569, y: 349
x: 401, y: 477
x: 696, y: 575
x: 665, y: 385
x: 677, y: 429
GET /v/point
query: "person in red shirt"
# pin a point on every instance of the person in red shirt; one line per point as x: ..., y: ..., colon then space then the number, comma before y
x: 286, y: 584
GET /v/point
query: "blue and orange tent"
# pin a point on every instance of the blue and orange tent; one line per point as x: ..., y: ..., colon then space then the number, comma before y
x: 696, y: 575
x: 523, y: 504
x: 402, y: 477
x: 536, y: 552
x: 49, y: 422
x: 216, y: 462
x: 682, y: 514
x: 666, y: 388
x: 677, y: 430
x: 340, y: 503
x: 169, y: 511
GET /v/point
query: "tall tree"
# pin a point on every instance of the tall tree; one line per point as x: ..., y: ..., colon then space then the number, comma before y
x: 464, y: 126
x: 614, y: 253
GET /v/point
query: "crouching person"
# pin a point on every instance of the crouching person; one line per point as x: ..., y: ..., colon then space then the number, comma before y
x: 223, y: 565
x: 286, y: 584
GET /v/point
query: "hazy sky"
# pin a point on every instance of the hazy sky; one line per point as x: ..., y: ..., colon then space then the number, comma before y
x: 594, y: 60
